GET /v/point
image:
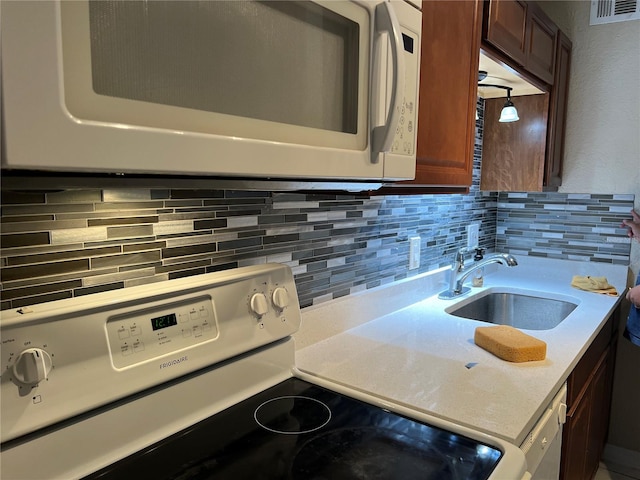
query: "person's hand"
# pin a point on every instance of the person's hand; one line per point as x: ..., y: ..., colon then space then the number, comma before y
x: 633, y: 295
x: 633, y: 225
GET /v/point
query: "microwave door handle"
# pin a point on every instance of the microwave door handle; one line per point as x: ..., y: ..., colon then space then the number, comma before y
x: 382, y: 136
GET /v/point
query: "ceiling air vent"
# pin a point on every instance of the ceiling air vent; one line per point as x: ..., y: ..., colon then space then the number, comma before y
x: 610, y: 11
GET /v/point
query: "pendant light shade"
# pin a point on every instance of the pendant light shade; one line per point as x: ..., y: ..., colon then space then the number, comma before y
x: 509, y: 112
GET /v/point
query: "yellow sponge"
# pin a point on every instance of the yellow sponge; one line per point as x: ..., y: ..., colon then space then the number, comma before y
x: 510, y: 344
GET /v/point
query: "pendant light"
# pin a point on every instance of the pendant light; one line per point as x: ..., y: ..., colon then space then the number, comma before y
x: 509, y: 112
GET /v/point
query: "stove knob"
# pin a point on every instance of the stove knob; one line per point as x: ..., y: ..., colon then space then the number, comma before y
x: 259, y: 304
x: 280, y: 298
x: 32, y: 366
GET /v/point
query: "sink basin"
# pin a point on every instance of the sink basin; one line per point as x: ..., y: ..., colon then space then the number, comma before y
x: 515, y: 309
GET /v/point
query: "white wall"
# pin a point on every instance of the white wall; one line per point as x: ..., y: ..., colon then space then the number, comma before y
x: 602, y: 146
x: 603, y: 129
x: 602, y: 154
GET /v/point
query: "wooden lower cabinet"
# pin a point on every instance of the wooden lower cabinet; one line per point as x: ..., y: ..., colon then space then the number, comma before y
x: 599, y: 421
x: 574, y: 443
x: 588, y: 404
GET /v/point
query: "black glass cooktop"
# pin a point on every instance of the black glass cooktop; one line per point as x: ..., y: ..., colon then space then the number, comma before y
x: 299, y: 431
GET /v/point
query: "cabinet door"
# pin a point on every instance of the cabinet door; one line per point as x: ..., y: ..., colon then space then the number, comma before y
x: 448, y: 92
x: 599, y: 417
x: 513, y: 154
x: 588, y: 401
x: 558, y: 114
x: 506, y: 28
x: 575, y: 438
x: 540, y: 44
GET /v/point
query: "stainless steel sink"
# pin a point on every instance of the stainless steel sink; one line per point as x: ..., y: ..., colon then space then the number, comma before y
x: 518, y: 310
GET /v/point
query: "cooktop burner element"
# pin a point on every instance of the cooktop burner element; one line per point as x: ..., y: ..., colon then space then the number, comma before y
x: 299, y: 431
x: 370, y: 453
x: 292, y: 415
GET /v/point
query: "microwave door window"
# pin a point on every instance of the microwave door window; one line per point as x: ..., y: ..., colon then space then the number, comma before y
x: 246, y: 68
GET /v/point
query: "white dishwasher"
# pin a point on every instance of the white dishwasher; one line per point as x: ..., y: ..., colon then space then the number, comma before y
x: 542, y: 447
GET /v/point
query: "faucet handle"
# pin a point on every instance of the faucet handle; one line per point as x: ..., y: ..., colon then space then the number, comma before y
x: 458, y: 263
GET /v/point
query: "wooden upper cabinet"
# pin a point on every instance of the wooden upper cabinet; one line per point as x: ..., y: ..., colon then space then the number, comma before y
x: 540, y: 45
x: 558, y: 114
x: 506, y: 27
x: 519, y: 34
x: 524, y: 33
x: 448, y: 93
x: 526, y: 155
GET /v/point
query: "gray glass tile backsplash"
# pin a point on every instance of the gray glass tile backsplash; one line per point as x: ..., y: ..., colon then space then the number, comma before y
x: 76, y: 242
x: 569, y: 226
x: 336, y: 244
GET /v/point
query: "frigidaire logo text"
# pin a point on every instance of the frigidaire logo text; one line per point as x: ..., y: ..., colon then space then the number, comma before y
x: 173, y: 362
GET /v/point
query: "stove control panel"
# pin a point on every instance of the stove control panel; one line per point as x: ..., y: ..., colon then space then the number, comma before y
x: 62, y: 358
x: 145, y: 334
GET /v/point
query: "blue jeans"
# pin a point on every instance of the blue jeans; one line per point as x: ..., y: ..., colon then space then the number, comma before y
x: 632, y: 332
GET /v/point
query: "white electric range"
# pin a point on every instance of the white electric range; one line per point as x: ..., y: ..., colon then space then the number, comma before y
x: 195, y: 378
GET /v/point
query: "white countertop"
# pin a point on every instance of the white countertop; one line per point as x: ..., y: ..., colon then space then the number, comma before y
x: 398, y: 343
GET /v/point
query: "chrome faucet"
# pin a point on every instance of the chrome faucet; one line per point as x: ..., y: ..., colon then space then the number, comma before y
x: 456, y: 268
x: 459, y: 274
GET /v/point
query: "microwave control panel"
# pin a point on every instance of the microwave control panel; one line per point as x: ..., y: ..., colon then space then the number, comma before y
x: 404, y: 141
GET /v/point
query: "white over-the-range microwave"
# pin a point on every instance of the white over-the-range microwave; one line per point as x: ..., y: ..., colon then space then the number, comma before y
x: 229, y: 88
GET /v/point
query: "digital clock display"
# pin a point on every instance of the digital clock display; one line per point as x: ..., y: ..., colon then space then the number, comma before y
x: 164, y: 321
